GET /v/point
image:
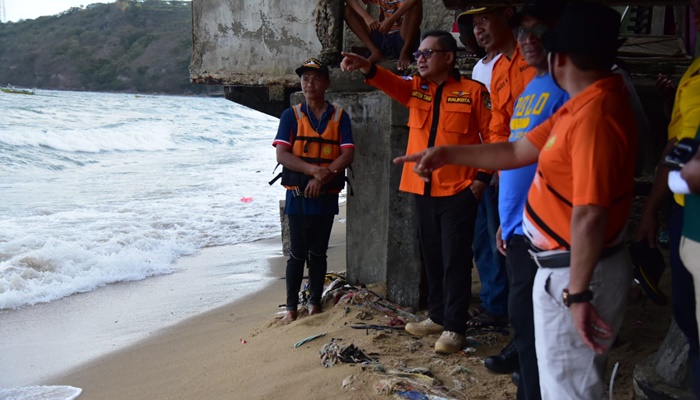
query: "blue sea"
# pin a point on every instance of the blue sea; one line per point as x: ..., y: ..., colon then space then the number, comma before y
x: 100, y: 188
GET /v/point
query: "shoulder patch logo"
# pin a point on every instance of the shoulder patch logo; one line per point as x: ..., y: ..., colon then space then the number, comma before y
x: 486, y: 98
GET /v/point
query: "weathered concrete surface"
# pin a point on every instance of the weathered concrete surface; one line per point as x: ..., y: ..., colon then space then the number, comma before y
x: 665, y: 375
x: 381, y: 232
x: 261, y: 42
x: 251, y: 42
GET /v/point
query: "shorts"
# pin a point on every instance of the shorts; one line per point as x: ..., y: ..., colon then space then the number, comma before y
x: 390, y: 44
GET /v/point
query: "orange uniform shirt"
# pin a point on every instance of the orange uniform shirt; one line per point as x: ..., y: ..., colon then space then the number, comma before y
x: 587, y: 157
x: 455, y: 111
x: 508, y: 81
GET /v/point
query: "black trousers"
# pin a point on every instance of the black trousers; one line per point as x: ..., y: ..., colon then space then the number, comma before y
x: 308, y: 243
x: 445, y: 234
x: 521, y: 277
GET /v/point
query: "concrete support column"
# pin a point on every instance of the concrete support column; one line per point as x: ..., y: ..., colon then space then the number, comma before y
x: 381, y: 232
x: 665, y: 375
x: 382, y: 245
x: 329, y: 29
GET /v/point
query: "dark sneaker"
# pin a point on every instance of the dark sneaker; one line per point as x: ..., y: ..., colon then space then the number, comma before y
x: 504, y: 363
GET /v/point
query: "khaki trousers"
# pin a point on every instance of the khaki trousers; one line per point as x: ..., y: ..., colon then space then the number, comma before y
x: 568, y: 368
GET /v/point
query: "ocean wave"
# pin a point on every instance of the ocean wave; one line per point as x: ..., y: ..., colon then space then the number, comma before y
x: 105, y: 188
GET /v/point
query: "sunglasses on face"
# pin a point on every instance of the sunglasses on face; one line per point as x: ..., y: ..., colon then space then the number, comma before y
x: 427, y: 53
x: 537, y: 31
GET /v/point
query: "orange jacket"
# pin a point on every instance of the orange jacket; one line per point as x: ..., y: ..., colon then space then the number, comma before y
x: 508, y: 81
x: 463, y: 109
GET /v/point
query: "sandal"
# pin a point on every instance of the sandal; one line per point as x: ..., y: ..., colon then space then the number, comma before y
x: 474, y: 312
x: 487, y: 320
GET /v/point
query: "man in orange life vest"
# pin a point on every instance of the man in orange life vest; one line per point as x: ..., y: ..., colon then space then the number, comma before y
x: 314, y: 145
x: 444, y: 108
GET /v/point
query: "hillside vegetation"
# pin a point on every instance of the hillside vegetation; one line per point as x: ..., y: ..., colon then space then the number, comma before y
x: 126, y: 46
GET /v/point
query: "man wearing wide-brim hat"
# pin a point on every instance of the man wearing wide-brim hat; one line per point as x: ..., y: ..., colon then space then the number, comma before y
x: 578, y: 204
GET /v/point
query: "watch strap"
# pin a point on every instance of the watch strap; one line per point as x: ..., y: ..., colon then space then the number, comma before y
x: 582, y: 297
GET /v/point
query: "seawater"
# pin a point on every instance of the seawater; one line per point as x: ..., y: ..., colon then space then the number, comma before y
x: 98, y: 188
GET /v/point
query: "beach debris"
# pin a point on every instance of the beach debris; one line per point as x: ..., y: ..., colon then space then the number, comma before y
x: 243, y: 341
x: 364, y: 315
x: 308, y: 339
x: 413, y: 345
x: 378, y: 368
x: 333, y: 285
x: 416, y: 395
x: 612, y: 379
x: 396, y: 322
x: 247, y: 200
x: 333, y: 352
x: 380, y: 336
x: 377, y: 327
x: 404, y: 388
x: 460, y: 369
x: 348, y: 381
x: 417, y: 375
x: 472, y: 342
x: 468, y: 350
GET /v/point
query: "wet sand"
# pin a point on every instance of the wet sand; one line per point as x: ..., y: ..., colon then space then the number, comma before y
x: 44, y: 340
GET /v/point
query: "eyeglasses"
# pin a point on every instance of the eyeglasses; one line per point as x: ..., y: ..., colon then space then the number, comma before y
x: 427, y: 53
x: 537, y: 30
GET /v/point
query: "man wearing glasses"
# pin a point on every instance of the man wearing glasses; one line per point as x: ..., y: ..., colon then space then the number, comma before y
x: 444, y: 109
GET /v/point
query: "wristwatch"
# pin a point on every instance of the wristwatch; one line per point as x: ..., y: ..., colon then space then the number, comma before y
x: 583, y: 297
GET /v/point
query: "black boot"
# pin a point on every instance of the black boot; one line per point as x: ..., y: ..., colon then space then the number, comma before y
x: 515, y: 378
x: 504, y: 363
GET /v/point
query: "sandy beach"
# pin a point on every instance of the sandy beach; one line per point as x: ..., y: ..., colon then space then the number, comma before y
x: 239, y: 351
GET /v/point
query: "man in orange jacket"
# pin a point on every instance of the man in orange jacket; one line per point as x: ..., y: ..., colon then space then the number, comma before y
x: 444, y: 109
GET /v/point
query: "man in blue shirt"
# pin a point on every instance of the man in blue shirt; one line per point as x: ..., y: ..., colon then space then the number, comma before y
x: 540, y: 99
x: 314, y: 145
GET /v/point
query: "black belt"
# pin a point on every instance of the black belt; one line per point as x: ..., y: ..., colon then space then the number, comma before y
x: 563, y: 259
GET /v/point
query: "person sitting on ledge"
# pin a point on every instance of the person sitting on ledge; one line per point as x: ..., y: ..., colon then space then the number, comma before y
x: 395, y: 35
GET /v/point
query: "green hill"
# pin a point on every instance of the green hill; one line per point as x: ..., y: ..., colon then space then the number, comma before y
x: 126, y: 46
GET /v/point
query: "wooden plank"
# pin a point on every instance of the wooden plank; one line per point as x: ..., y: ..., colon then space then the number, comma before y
x: 652, y: 46
x: 658, y: 17
x: 460, y: 4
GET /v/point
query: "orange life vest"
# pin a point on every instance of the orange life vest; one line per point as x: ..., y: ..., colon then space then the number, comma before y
x: 315, y: 148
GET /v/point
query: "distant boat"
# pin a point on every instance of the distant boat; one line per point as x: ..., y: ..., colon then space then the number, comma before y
x: 14, y: 90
